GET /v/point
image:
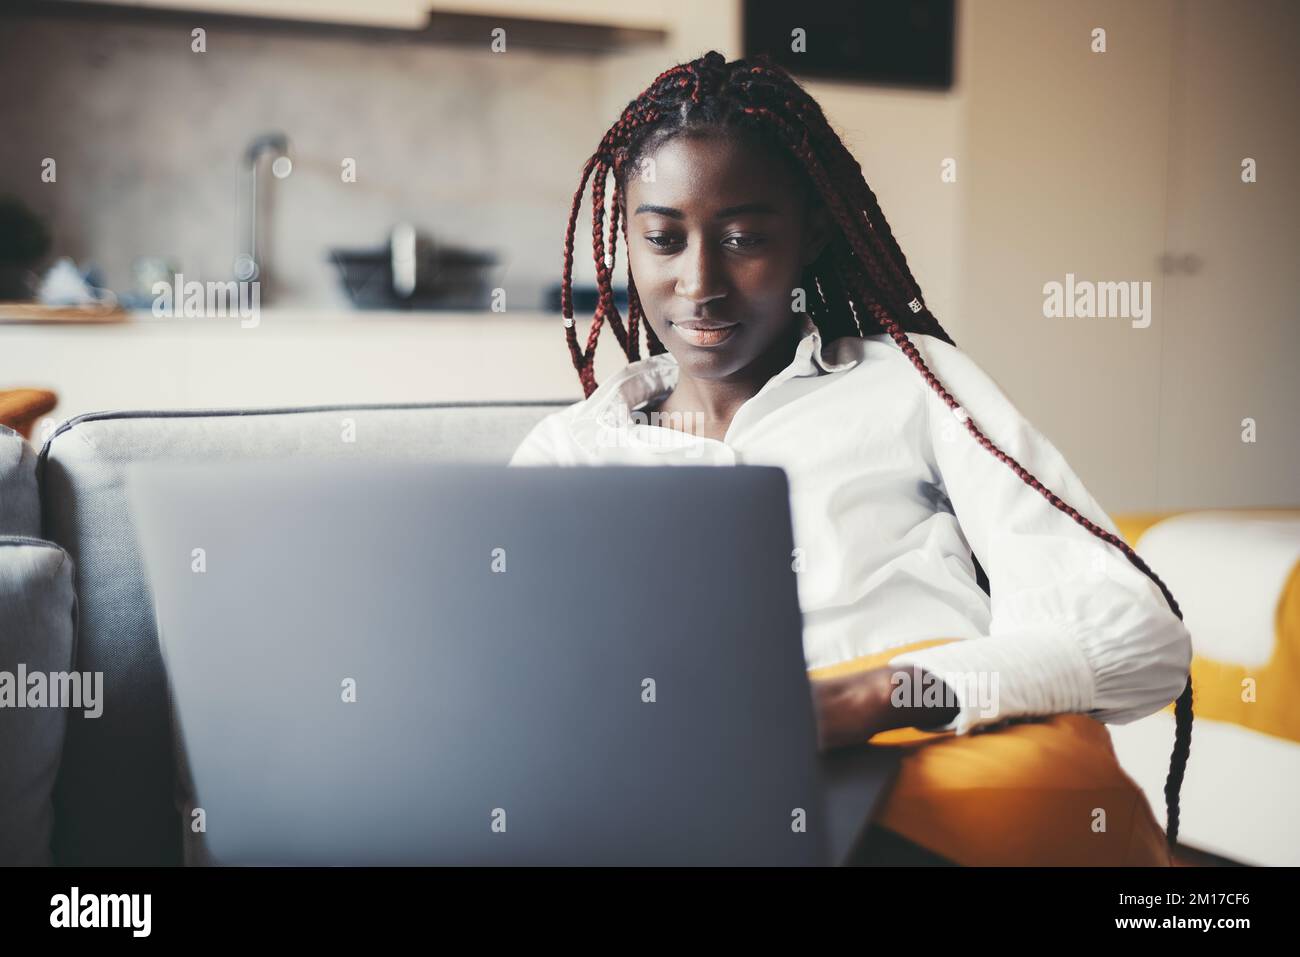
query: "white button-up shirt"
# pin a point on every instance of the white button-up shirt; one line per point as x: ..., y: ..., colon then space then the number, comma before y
x: 889, y: 495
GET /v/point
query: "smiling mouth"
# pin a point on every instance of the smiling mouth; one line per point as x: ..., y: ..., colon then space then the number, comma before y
x: 698, y: 335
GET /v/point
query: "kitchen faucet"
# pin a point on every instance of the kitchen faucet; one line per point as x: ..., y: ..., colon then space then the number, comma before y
x: 249, y: 265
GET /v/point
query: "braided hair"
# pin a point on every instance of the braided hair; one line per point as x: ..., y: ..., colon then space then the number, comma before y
x: 860, y: 284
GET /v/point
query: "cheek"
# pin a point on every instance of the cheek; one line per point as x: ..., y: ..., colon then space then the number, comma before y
x: 654, y: 282
x: 769, y: 279
x: 646, y: 266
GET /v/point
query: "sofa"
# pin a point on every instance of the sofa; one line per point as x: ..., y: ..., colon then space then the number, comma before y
x: 108, y: 790
x: 79, y: 790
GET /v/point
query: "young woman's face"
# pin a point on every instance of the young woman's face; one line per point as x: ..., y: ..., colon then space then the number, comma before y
x: 719, y: 236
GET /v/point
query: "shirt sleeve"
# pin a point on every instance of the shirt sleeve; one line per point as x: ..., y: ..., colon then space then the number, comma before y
x: 1074, y: 625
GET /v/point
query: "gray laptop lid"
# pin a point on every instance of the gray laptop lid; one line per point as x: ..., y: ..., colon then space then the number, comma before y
x: 462, y: 664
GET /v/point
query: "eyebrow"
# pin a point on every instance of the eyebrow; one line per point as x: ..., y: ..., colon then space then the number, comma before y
x: 760, y: 208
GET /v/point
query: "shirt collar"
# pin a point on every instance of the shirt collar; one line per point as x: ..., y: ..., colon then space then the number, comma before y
x: 646, y: 379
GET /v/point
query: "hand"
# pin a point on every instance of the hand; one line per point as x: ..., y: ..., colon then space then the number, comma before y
x: 853, y: 708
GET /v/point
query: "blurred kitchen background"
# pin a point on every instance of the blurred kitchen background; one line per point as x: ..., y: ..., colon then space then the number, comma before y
x: 1115, y: 166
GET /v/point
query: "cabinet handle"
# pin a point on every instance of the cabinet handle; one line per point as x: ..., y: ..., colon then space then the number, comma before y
x: 1188, y: 264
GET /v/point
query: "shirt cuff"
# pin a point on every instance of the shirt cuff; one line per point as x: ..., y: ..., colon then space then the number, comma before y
x: 1028, y: 671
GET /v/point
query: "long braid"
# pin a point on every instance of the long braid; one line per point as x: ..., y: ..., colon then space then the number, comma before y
x: 615, y: 320
x: 861, y: 284
x: 605, y: 305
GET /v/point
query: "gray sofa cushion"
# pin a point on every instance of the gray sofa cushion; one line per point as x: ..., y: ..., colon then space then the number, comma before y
x: 20, y: 512
x: 118, y: 791
x: 38, y: 614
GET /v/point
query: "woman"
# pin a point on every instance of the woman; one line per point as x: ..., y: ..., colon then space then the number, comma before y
x: 784, y: 327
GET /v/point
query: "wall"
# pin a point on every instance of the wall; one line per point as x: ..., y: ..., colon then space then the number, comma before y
x: 148, y: 135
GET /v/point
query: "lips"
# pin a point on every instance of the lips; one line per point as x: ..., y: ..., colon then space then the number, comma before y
x: 705, y: 332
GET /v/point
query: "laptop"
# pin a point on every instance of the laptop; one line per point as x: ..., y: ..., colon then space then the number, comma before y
x: 458, y: 664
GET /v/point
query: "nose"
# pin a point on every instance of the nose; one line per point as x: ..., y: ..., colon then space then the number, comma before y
x: 700, y: 280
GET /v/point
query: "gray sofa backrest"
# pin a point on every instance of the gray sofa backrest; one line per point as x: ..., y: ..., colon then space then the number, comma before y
x: 114, y: 800
x: 20, y: 507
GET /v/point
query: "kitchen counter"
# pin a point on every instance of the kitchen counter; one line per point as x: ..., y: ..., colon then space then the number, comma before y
x: 293, y: 358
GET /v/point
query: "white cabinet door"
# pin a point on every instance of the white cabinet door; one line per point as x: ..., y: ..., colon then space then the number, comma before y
x: 1232, y: 343
x: 1062, y: 173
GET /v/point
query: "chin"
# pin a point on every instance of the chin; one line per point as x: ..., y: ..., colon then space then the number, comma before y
x: 711, y: 363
